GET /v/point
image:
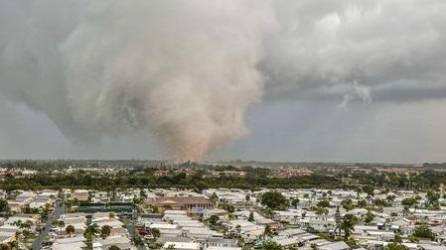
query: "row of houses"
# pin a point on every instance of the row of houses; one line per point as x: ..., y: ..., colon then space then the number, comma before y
x: 32, y: 200
x: 62, y: 239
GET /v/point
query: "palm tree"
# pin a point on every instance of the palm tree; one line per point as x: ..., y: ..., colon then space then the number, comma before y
x: 92, y: 229
x: 338, y: 220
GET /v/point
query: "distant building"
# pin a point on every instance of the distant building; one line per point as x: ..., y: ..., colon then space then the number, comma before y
x: 182, y: 203
x: 80, y: 195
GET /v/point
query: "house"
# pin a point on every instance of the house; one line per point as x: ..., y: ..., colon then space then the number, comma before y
x: 293, y: 237
x: 41, y: 200
x: 72, y: 243
x: 248, y: 230
x: 191, y: 228
x: 219, y: 242
x: 207, y: 213
x: 7, y: 234
x: 77, y: 220
x: 182, y: 203
x: 431, y: 247
x: 367, y: 233
x: 236, y: 197
x: 120, y: 241
x: 80, y: 195
x: 291, y: 216
x: 259, y: 219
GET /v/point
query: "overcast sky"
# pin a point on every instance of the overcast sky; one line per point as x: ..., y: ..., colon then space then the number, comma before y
x: 285, y: 80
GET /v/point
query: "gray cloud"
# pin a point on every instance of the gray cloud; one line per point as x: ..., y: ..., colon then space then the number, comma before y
x: 326, y: 43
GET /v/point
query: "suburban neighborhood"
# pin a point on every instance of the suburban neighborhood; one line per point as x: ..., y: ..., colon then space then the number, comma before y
x: 222, y: 218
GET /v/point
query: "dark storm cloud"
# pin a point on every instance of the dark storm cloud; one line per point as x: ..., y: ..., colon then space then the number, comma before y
x: 188, y: 71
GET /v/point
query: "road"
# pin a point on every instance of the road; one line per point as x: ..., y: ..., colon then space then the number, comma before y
x: 131, y: 229
x: 60, y: 208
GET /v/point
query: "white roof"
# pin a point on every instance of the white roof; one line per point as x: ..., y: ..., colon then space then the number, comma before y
x: 242, y: 223
x: 113, y: 240
x: 163, y: 226
x: 183, y: 245
x: 223, y: 248
x: 174, y: 212
x: 71, y: 246
x: 70, y: 240
x: 287, y: 241
x: 340, y: 245
x: 432, y: 247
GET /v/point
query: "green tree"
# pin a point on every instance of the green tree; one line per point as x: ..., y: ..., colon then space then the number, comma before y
x: 60, y: 223
x: 369, y: 217
x: 170, y: 247
x: 409, y: 202
x: 4, y: 206
x: 396, y: 246
x: 362, y: 203
x: 274, y: 200
x: 323, y: 203
x: 347, y: 204
x: 423, y: 231
x: 90, y: 232
x: 251, y: 216
x: 267, y: 231
x: 432, y: 199
x: 397, y: 238
x: 214, y: 198
x: 295, y: 202
x: 105, y: 231
x: 390, y: 198
x: 321, y: 210
x: 155, y: 232
x: 213, y: 219
x: 368, y: 190
x: 70, y: 229
x: 380, y: 203
x: 347, y: 224
x: 114, y: 248
x: 271, y: 245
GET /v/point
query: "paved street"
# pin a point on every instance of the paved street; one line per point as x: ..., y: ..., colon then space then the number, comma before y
x: 60, y: 207
x: 131, y: 229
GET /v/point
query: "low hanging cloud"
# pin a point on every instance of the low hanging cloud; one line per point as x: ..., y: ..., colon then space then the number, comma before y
x: 357, y: 92
x: 187, y: 71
